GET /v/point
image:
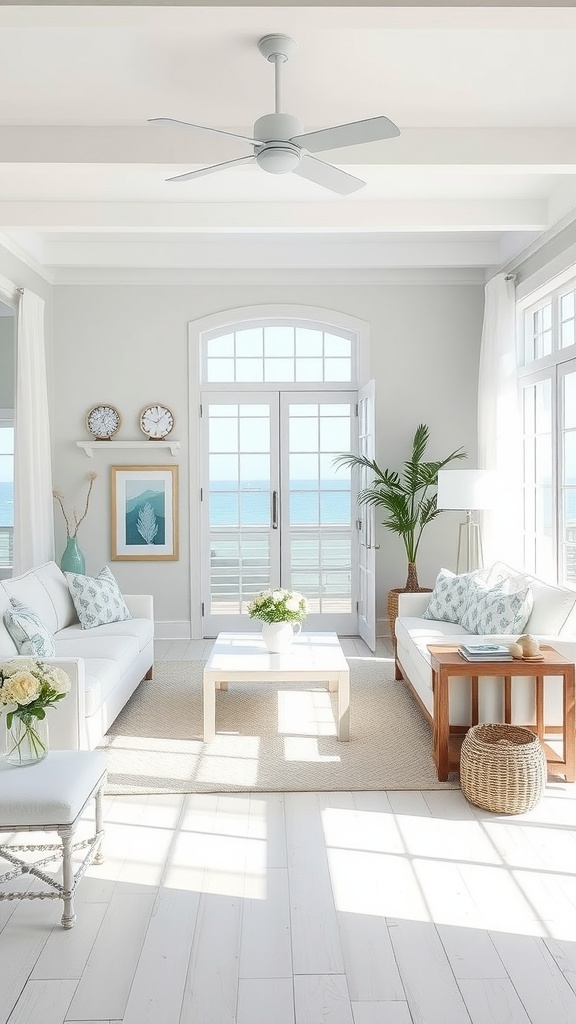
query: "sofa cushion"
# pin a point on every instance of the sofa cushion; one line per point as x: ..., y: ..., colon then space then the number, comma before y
x: 451, y: 595
x: 141, y: 630
x: 101, y: 677
x: 97, y: 599
x: 27, y: 630
x: 45, y: 591
x: 498, y: 610
x: 551, y: 610
x: 106, y: 661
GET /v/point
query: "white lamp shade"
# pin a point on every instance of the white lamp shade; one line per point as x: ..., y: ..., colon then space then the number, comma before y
x: 467, y: 489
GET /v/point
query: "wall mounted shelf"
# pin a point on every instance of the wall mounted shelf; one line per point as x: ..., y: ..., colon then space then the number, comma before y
x: 150, y: 446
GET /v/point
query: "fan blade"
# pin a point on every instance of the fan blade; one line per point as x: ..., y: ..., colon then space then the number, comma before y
x: 355, y: 133
x: 201, y: 128
x: 328, y: 176
x: 215, y: 167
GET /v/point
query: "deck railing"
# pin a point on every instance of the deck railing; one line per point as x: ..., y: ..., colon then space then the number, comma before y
x: 6, y: 547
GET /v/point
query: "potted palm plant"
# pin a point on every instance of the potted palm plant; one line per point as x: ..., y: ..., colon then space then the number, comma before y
x: 408, y: 500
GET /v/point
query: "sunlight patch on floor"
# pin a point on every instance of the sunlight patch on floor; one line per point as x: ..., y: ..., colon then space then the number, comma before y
x: 305, y: 712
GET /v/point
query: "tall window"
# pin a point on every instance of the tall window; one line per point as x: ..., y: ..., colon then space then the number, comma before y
x: 548, y: 386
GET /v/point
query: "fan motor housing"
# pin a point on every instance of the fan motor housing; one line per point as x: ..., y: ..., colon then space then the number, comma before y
x: 277, y: 127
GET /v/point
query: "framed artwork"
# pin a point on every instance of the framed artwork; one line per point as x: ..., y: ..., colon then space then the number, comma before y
x: 144, y: 510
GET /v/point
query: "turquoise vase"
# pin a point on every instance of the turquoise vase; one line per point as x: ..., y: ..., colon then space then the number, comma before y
x: 72, y: 560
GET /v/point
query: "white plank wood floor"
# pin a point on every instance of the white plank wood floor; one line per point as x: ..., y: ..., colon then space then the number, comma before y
x: 307, y: 908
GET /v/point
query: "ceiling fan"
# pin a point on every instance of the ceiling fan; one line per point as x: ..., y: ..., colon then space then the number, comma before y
x: 278, y: 141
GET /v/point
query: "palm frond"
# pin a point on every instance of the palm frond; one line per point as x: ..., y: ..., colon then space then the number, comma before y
x: 404, y: 498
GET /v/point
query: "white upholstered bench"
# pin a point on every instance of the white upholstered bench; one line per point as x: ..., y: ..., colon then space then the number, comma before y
x: 50, y: 796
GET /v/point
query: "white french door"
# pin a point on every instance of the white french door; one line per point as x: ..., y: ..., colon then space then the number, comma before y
x: 367, y: 545
x: 275, y: 510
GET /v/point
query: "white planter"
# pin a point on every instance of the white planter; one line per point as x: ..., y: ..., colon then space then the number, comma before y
x: 278, y: 636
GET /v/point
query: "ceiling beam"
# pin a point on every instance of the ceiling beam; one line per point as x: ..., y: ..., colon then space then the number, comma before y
x: 476, y: 215
x: 514, y: 150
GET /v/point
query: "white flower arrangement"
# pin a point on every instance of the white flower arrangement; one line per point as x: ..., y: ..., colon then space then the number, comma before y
x: 278, y: 606
x: 27, y: 688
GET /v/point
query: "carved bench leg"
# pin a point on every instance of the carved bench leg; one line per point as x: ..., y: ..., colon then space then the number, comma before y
x: 68, y: 917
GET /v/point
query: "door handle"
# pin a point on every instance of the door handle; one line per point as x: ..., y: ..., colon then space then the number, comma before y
x: 274, y: 510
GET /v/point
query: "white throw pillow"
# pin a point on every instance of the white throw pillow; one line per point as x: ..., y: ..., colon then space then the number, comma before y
x: 28, y: 631
x: 498, y: 610
x: 97, y: 599
x: 451, y: 595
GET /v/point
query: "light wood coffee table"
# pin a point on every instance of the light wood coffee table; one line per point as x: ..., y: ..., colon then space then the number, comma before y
x: 243, y: 657
x: 446, y: 662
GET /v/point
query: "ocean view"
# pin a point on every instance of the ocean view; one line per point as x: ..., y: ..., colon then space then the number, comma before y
x: 308, y: 506
x: 6, y: 504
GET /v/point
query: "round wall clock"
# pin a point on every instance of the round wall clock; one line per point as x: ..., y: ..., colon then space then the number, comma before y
x: 156, y: 421
x: 103, y: 421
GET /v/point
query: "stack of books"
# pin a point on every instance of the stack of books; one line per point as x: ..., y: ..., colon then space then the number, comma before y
x: 485, y: 652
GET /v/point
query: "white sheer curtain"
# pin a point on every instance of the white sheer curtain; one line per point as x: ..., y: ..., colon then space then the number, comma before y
x: 33, y: 504
x: 499, y: 424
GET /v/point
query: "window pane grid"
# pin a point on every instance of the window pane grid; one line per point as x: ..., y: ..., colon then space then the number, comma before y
x: 278, y: 353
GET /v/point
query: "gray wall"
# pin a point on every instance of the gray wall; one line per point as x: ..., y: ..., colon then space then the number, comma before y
x: 128, y: 345
x: 7, y: 354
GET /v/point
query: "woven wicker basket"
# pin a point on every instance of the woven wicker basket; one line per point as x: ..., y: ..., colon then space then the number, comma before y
x: 502, y: 768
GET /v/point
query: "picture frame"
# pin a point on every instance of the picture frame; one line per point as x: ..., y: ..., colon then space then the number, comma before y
x: 144, y: 513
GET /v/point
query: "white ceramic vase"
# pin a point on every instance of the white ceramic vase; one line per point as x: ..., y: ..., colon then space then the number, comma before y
x: 278, y: 636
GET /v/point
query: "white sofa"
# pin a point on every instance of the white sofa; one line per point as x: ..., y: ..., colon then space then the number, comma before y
x: 552, y: 621
x: 105, y: 663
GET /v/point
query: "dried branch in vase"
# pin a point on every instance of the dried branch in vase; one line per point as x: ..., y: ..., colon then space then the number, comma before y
x: 74, y: 520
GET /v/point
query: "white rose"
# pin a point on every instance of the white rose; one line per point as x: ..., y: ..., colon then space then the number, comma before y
x: 58, y: 679
x: 19, y: 665
x: 21, y: 688
x: 277, y: 596
x: 292, y: 605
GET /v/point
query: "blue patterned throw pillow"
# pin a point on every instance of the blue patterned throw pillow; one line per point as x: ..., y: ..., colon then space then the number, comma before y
x: 499, y: 611
x: 97, y: 599
x: 28, y: 631
x: 450, y: 596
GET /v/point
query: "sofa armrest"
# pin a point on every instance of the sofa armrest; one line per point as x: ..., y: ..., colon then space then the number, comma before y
x: 140, y: 606
x: 67, y: 721
x: 412, y: 604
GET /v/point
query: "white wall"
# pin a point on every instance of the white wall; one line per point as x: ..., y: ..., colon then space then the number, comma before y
x: 126, y: 344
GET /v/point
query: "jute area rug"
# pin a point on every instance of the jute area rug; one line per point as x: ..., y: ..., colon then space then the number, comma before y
x: 270, y: 737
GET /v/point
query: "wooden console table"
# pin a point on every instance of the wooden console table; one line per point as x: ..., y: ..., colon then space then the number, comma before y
x: 446, y: 662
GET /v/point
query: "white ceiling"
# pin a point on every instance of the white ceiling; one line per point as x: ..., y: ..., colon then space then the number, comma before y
x: 485, y: 98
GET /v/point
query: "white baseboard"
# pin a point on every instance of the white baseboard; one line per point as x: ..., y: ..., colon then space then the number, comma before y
x: 172, y: 630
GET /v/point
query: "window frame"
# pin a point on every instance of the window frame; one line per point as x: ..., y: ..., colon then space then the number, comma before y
x: 552, y: 366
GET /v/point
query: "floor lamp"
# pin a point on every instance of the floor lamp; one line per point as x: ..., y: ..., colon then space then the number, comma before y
x: 469, y: 490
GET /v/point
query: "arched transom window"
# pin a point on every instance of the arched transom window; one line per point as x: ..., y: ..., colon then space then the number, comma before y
x: 279, y: 352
